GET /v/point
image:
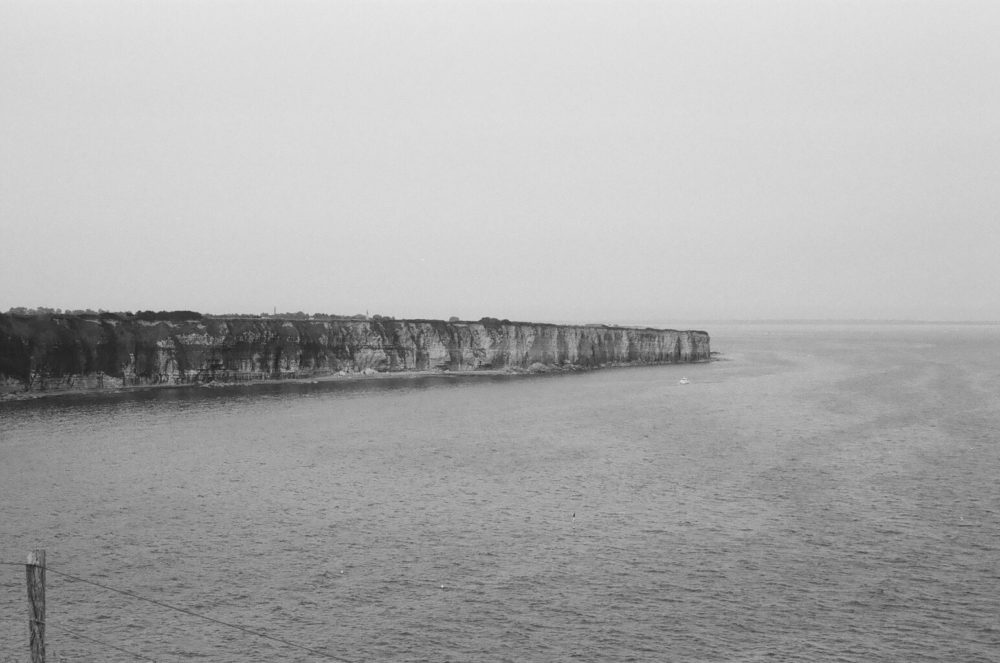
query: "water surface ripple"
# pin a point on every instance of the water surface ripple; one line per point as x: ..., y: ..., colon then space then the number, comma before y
x: 828, y: 493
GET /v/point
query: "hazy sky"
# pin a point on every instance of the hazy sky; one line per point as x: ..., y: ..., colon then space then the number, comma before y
x: 564, y: 161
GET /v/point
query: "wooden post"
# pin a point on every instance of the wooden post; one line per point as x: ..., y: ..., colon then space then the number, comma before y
x: 35, y: 571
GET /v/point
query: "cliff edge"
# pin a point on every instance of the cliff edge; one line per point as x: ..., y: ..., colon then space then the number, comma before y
x: 55, y: 352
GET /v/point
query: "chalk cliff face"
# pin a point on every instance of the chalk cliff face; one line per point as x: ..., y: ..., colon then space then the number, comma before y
x: 66, y: 351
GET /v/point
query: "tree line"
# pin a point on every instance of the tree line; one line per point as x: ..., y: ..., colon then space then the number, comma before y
x: 182, y: 316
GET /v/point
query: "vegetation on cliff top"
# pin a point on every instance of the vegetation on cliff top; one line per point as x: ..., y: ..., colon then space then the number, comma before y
x: 43, y: 312
x: 183, y: 316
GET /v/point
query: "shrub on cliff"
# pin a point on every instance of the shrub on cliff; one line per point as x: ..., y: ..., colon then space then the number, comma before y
x: 168, y: 316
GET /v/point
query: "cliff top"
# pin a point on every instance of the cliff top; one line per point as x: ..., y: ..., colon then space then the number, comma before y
x: 193, y: 316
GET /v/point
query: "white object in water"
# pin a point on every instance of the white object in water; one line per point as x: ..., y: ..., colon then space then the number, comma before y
x: 683, y: 381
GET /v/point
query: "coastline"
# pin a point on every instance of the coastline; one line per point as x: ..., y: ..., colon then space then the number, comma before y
x: 356, y: 376
x: 60, y: 353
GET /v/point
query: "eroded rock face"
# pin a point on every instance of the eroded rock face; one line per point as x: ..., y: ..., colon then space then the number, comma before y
x: 65, y: 351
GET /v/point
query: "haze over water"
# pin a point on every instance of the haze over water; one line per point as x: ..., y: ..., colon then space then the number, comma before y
x: 826, y: 493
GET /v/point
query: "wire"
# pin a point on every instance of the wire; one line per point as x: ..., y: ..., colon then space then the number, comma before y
x: 194, y: 614
x: 100, y: 642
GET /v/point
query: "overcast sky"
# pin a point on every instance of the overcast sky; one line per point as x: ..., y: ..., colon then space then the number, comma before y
x: 550, y: 161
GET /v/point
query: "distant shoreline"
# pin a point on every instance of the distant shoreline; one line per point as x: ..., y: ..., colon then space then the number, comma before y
x: 58, y: 353
x: 30, y: 395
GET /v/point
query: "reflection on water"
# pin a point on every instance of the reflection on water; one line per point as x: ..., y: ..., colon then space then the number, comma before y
x: 827, y: 493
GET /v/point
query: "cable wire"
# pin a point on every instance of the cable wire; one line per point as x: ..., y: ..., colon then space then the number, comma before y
x: 185, y: 611
x: 73, y: 633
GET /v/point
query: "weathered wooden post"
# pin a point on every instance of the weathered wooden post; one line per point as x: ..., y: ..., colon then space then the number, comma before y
x: 35, y: 571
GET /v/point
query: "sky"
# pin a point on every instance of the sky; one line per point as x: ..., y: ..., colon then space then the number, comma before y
x: 580, y: 161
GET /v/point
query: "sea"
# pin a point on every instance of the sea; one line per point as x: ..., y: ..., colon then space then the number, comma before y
x: 819, y: 492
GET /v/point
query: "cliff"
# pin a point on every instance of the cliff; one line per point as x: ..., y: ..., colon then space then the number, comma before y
x: 55, y: 351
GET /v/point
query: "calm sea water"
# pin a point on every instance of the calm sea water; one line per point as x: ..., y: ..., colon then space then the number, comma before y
x: 826, y: 493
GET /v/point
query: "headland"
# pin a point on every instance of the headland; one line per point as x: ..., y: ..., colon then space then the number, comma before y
x: 53, y: 352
